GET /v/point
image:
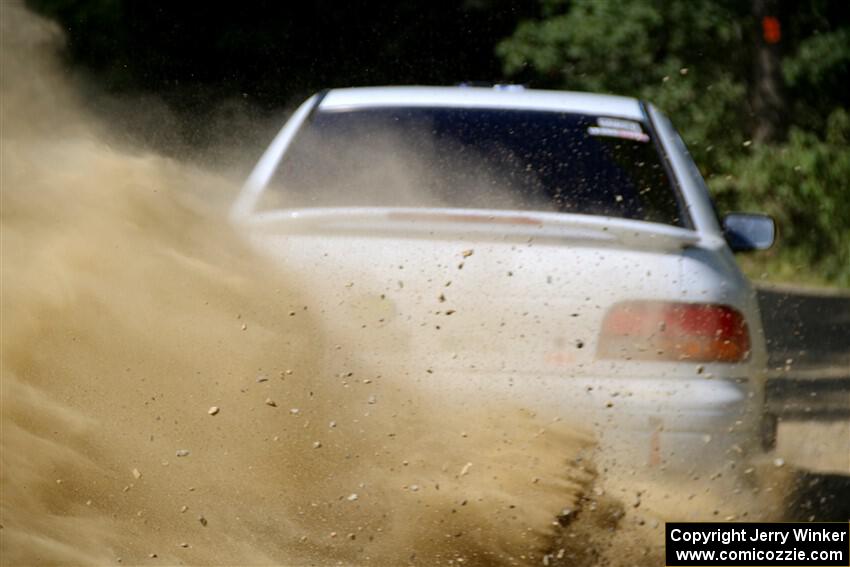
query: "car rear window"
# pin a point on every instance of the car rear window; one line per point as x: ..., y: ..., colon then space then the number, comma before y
x: 477, y: 158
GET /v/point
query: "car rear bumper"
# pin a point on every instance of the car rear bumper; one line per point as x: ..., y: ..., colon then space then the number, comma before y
x: 673, y: 424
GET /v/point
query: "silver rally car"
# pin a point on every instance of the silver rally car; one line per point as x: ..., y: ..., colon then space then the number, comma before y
x: 555, y: 250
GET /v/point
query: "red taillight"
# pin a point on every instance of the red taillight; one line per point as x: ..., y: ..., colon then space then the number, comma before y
x: 658, y: 330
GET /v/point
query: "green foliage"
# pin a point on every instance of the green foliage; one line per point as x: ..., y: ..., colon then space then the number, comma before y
x: 661, y: 51
x: 818, y: 57
x: 694, y: 59
x: 803, y: 184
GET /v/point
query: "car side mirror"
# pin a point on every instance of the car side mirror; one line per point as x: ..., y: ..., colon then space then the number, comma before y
x: 745, y: 232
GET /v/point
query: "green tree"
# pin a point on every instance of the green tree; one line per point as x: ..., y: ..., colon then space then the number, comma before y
x: 803, y: 183
x: 698, y: 60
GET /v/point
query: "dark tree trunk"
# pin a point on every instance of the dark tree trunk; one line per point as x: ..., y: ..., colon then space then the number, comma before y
x: 768, y: 103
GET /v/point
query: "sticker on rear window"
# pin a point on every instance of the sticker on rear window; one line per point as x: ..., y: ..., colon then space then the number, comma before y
x: 618, y: 128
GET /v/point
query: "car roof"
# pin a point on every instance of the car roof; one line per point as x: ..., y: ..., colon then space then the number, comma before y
x: 502, y: 96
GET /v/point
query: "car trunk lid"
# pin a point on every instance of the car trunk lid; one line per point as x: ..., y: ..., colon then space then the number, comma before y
x: 475, y: 291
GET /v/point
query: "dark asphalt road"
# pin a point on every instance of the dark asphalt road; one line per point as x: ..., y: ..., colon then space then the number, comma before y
x: 808, y: 339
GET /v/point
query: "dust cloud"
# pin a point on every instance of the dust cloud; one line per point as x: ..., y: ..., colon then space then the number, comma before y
x: 169, y: 398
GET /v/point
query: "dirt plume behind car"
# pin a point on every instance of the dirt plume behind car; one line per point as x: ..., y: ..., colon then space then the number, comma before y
x: 168, y: 397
